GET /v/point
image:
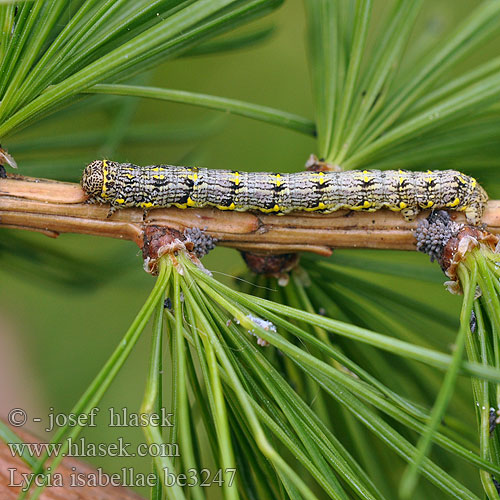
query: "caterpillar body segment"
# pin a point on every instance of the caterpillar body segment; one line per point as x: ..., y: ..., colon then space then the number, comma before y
x: 159, y: 186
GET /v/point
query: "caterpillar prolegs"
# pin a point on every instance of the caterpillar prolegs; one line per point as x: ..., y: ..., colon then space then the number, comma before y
x: 128, y: 185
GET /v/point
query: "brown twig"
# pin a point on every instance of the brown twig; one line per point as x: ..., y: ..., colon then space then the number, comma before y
x: 53, y: 207
x: 64, y: 486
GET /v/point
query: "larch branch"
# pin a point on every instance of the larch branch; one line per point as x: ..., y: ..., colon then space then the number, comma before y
x: 53, y: 207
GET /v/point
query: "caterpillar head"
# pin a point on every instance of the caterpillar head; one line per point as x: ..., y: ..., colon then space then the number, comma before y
x: 93, y: 179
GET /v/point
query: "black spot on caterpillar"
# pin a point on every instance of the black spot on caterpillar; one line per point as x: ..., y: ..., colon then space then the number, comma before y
x: 128, y: 185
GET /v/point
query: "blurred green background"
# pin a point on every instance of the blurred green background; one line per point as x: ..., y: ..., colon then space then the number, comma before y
x: 59, y: 321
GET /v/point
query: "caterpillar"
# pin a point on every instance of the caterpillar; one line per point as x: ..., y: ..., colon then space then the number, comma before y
x: 158, y: 186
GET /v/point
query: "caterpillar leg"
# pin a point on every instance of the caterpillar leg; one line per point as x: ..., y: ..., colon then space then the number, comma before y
x: 473, y: 214
x: 410, y: 213
x: 112, y: 210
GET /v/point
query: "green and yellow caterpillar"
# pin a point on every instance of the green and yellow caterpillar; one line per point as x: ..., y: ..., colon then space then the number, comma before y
x: 128, y: 185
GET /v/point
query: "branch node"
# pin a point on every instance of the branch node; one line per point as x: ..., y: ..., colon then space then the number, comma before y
x: 449, y: 243
x: 161, y: 240
x: 313, y: 164
x: 272, y: 265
